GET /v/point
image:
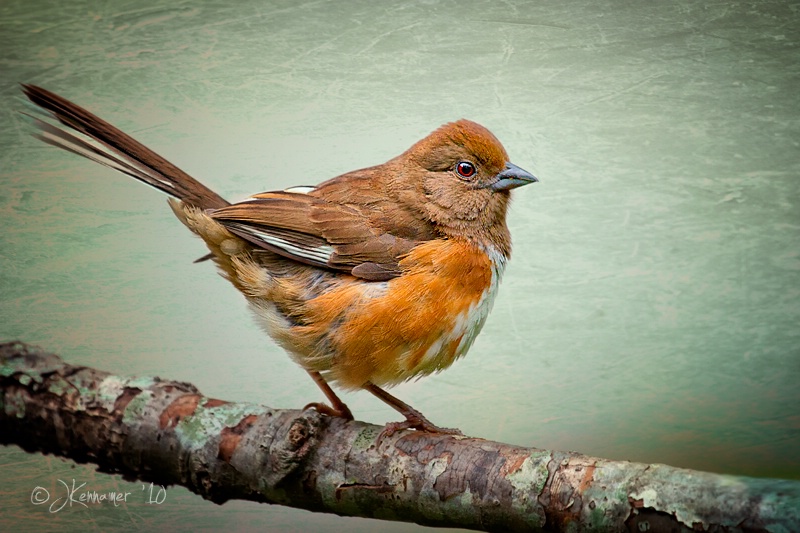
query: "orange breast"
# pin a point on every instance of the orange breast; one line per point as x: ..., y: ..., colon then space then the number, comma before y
x: 406, y: 327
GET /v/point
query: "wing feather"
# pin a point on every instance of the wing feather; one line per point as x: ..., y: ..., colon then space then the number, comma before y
x: 314, y: 231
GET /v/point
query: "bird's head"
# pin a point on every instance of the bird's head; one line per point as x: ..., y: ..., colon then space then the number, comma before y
x: 460, y: 178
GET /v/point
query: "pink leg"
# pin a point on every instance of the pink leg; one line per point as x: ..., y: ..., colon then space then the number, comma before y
x: 337, y: 407
x: 414, y: 419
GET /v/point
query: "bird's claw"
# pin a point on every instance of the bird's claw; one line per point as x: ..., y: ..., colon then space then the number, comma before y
x: 342, y: 411
x: 418, y: 422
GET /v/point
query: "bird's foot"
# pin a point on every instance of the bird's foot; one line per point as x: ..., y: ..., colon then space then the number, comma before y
x: 415, y: 420
x: 340, y: 411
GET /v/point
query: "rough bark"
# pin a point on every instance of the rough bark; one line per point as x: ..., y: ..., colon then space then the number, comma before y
x: 168, y: 433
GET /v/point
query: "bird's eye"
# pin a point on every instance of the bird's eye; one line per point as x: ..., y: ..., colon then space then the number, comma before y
x: 465, y: 169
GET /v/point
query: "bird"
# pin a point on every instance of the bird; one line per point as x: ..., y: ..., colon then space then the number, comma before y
x: 370, y: 279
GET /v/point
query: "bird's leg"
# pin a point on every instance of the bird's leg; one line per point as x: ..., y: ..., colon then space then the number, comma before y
x: 414, y: 419
x: 337, y: 407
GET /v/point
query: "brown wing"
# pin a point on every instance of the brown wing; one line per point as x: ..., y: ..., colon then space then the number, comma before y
x: 342, y: 225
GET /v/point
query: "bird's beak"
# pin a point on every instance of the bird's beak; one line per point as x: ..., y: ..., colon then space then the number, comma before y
x: 512, y: 177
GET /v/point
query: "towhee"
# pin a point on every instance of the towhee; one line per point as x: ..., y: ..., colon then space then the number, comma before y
x: 369, y: 279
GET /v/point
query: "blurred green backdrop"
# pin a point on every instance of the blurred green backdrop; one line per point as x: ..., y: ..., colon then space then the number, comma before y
x: 650, y: 311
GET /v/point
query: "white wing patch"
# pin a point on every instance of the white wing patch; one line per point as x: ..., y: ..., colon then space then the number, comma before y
x: 300, y: 189
x: 320, y: 254
x: 317, y: 253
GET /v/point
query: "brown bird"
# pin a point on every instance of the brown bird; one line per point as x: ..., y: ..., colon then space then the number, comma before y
x: 369, y: 279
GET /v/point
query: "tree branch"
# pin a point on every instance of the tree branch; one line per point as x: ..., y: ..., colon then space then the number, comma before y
x: 166, y: 432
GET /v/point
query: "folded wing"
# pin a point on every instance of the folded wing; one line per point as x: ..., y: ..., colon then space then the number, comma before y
x: 314, y: 231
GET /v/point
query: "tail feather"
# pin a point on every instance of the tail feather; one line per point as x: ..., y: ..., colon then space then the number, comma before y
x: 65, y: 140
x: 99, y: 141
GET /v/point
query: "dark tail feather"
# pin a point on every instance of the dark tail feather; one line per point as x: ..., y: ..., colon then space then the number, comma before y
x: 114, y: 149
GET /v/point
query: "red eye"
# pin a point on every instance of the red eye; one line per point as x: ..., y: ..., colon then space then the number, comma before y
x: 465, y: 169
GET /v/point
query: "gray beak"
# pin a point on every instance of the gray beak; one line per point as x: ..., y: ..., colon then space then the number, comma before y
x: 512, y: 177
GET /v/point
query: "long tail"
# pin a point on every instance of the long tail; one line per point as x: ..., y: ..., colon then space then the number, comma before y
x: 96, y: 139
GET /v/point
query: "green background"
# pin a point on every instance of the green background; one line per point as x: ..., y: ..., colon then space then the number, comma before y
x: 650, y: 311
